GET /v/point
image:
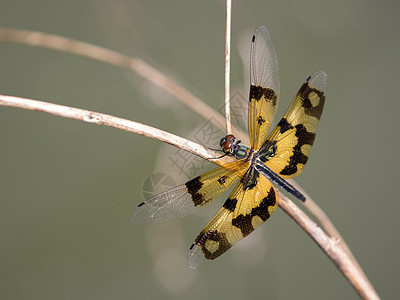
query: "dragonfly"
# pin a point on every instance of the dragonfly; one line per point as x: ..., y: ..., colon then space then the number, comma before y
x: 270, y: 159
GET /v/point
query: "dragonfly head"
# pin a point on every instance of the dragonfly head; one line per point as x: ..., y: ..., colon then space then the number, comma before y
x: 227, y: 143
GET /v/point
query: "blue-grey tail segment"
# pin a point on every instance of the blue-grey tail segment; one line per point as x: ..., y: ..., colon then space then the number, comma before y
x: 279, y: 181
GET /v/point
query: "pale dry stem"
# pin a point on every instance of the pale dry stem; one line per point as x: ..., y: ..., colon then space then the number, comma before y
x: 228, y: 67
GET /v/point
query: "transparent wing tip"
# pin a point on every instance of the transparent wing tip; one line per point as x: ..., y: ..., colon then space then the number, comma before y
x: 262, y: 37
x: 145, y: 213
x: 195, y: 257
x: 138, y: 214
x: 264, y: 70
x: 318, y: 80
x: 261, y: 30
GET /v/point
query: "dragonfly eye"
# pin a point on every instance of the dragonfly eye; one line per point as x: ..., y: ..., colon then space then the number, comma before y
x: 226, y: 146
x: 227, y: 142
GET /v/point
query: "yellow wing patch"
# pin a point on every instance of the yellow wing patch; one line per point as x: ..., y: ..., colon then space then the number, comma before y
x: 250, y: 204
x: 292, y: 138
x: 212, y: 184
x: 262, y: 107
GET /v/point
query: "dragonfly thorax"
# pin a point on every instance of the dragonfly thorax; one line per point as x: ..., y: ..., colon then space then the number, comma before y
x: 267, y: 151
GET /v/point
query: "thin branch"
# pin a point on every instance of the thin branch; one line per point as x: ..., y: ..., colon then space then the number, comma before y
x: 331, y: 248
x: 228, y: 67
x: 336, y: 253
x: 327, y: 225
x: 111, y: 121
x: 322, y: 218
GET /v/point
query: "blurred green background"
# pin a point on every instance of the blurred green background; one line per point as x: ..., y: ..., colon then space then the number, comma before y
x: 67, y: 188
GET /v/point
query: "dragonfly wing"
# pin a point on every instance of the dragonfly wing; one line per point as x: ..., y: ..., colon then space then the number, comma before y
x: 187, y: 198
x: 294, y: 135
x: 265, y: 86
x: 249, y: 205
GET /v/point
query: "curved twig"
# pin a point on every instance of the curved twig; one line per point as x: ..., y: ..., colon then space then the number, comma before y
x: 331, y: 248
x: 327, y: 225
x: 228, y: 67
x: 112, y: 121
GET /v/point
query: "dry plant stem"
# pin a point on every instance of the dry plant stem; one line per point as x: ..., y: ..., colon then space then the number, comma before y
x: 323, y: 219
x: 228, y: 66
x: 327, y: 224
x: 136, y: 65
x: 328, y: 245
x: 111, y: 121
